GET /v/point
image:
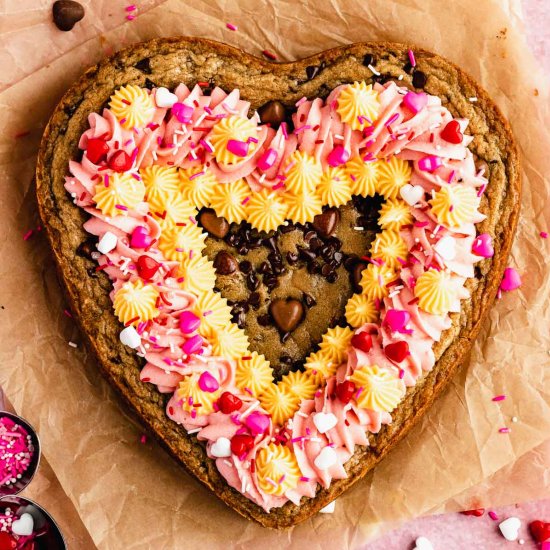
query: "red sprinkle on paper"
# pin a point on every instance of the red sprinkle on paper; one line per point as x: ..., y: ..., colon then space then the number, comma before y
x: 231, y: 27
x: 499, y: 398
x: 269, y: 55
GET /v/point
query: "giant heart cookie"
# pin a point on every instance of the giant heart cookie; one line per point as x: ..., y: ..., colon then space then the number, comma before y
x: 333, y: 232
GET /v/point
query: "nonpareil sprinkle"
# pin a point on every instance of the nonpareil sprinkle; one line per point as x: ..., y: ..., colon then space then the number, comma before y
x: 16, y: 451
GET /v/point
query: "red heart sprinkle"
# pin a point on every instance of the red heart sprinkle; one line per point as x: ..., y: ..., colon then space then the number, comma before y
x: 97, y: 150
x: 362, y: 341
x: 397, y: 351
x: 120, y: 161
x: 540, y: 530
x: 241, y: 444
x: 477, y: 513
x: 452, y: 133
x: 345, y: 391
x: 7, y: 542
x: 147, y: 267
x: 229, y: 403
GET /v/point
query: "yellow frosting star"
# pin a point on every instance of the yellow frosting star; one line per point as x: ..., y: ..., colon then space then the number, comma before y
x: 277, y: 469
x: 435, y: 291
x: 197, y: 185
x: 358, y: 100
x: 177, y: 242
x: 454, y: 205
x: 279, y: 403
x: 302, y: 173
x: 363, y: 176
x: 334, y: 187
x: 228, y: 200
x: 320, y: 366
x: 301, y: 384
x: 253, y: 373
x: 169, y: 211
x: 361, y: 309
x: 374, y: 280
x: 136, y: 302
x: 193, y: 398
x: 392, y: 175
x: 236, y: 128
x: 335, y: 343
x: 133, y: 106
x: 380, y: 390
x: 196, y: 274
x: 394, y: 214
x: 230, y: 341
x: 266, y: 210
x: 302, y: 207
x: 390, y: 247
x: 213, y: 311
x: 122, y: 191
x: 161, y: 182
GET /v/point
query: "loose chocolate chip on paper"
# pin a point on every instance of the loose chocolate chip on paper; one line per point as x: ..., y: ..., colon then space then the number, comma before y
x: 66, y: 13
x: 287, y: 314
x: 224, y: 263
x: 215, y: 225
x: 273, y: 113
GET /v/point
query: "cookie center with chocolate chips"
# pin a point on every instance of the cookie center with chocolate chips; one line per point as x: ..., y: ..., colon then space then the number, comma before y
x: 287, y: 287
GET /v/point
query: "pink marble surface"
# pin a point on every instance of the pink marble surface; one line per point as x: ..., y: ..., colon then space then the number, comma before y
x: 456, y: 531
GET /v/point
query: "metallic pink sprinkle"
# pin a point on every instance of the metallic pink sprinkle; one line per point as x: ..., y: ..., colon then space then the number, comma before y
x: 499, y: 398
x: 28, y: 235
x: 130, y: 17
x: 543, y: 234
x: 401, y: 374
x: 304, y: 478
x: 143, y: 439
x: 481, y: 190
x: 245, y: 200
x: 300, y: 101
x: 392, y: 119
x: 198, y: 174
x: 68, y: 313
x: 302, y: 128
x: 284, y: 130
x: 121, y: 207
x: 492, y: 515
x: 231, y: 27
x: 193, y: 220
x: 278, y: 186
x: 504, y: 430
x: 451, y: 177
x: 131, y: 7
x: 412, y: 58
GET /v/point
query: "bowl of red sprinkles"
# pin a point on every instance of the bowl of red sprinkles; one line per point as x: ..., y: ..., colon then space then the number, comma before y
x: 19, y: 454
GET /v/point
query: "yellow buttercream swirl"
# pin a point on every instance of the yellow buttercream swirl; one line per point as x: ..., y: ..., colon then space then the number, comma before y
x: 334, y: 187
x: 301, y: 384
x: 392, y: 175
x: 394, y: 214
x: 123, y: 190
x: 454, y: 205
x: 279, y: 403
x: 335, y: 343
x: 435, y: 291
x: 302, y: 172
x: 228, y: 200
x: 197, y: 185
x: 380, y: 390
x: 358, y: 100
x: 191, y: 395
x: 390, y: 247
x: 266, y: 210
x: 277, y: 469
x: 196, y: 274
x: 361, y: 309
x: 169, y: 211
x: 302, y: 207
x: 136, y: 302
x: 177, y: 242
x: 320, y: 366
x: 363, y: 176
x: 213, y: 311
x: 236, y: 128
x: 133, y: 106
x: 253, y: 374
x: 230, y: 341
x: 161, y: 182
x: 374, y: 280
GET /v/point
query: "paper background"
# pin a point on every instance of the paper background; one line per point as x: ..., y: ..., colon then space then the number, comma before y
x: 134, y: 496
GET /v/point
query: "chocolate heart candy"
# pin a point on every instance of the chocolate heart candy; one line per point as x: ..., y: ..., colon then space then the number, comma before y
x: 66, y: 13
x: 325, y: 223
x: 273, y: 113
x: 287, y: 314
x: 216, y: 226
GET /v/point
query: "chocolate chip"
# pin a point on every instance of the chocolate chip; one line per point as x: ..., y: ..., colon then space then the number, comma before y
x: 252, y: 281
x: 306, y: 254
x: 149, y: 84
x: 292, y: 257
x: 225, y: 263
x: 243, y: 250
x: 245, y: 266
x: 285, y: 337
x: 273, y: 113
x: 326, y: 223
x: 338, y: 258
x: 312, y: 71
x: 408, y: 68
x: 270, y: 242
x: 144, y: 65
x: 350, y: 261
x: 309, y: 235
x: 271, y: 282
x: 368, y: 59
x: 285, y: 359
x: 332, y: 277
x: 66, y: 14
x: 356, y: 275
x: 275, y: 258
x: 315, y: 244
x: 327, y: 252
x: 309, y: 300
x: 264, y: 268
x: 314, y: 268
x: 241, y: 320
x: 254, y: 299
x: 278, y: 269
x: 264, y: 320
x: 286, y: 314
x: 86, y: 248
x: 419, y: 79
x: 216, y: 226
x: 326, y: 270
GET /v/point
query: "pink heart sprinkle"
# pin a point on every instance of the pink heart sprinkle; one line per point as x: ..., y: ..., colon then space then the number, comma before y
x: 415, y: 102
x: 238, y: 148
x: 182, y: 112
x: 189, y: 322
x: 483, y: 246
x: 140, y: 237
x: 429, y: 163
x: 192, y: 345
x: 397, y: 319
x: 511, y: 280
x: 208, y: 383
x: 267, y: 160
x: 257, y: 423
x: 339, y: 155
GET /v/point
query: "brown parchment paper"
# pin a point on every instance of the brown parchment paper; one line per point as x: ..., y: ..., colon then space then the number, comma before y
x: 131, y: 495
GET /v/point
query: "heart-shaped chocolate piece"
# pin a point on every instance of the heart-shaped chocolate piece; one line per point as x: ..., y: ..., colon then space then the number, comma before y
x: 286, y: 314
x: 215, y: 225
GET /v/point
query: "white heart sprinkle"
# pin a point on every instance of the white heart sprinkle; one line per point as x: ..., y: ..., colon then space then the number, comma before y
x: 23, y: 526
x: 446, y: 247
x: 324, y: 421
x: 411, y: 194
x: 422, y: 543
x: 325, y: 459
x: 221, y: 448
x: 107, y: 242
x: 510, y: 528
x: 164, y: 98
x: 130, y: 337
x: 329, y: 508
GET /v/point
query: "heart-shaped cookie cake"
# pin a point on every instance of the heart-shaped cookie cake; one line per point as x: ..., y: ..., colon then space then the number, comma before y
x: 279, y: 266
